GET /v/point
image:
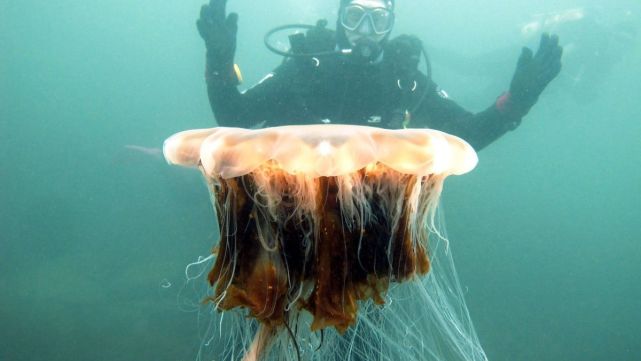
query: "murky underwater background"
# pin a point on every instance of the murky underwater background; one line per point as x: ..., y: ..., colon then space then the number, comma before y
x: 96, y: 229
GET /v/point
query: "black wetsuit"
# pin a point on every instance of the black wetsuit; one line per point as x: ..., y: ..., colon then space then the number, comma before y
x: 337, y: 90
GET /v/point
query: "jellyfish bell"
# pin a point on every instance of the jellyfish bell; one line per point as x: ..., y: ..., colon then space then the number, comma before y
x: 319, y: 225
x: 231, y: 152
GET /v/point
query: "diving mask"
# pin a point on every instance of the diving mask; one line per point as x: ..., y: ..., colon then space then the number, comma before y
x: 381, y: 20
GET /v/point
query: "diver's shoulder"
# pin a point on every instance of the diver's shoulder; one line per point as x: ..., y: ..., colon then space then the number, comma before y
x: 320, y: 38
x: 405, y: 42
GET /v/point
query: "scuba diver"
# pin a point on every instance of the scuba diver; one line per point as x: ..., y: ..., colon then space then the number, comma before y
x: 358, y: 75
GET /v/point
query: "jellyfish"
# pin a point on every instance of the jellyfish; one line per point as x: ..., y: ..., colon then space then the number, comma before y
x: 331, y: 245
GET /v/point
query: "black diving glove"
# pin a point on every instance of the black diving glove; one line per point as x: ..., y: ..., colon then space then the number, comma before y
x: 219, y: 32
x: 533, y: 73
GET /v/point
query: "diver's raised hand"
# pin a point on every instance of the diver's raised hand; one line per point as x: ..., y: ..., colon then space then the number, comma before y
x: 218, y: 30
x: 535, y: 71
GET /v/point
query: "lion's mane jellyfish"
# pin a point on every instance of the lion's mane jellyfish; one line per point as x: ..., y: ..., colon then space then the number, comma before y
x: 330, y: 247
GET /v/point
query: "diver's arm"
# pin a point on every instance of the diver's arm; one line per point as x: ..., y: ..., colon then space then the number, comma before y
x: 224, y: 98
x: 480, y: 129
x: 533, y: 73
x: 268, y: 103
x: 230, y: 107
x: 219, y: 31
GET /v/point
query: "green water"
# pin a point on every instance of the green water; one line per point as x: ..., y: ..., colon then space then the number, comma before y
x: 95, y: 234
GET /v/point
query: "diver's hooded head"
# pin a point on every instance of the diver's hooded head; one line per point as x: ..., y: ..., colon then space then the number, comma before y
x: 364, y: 26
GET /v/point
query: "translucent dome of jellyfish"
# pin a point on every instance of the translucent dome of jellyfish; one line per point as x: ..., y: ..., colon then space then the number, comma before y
x: 330, y: 246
